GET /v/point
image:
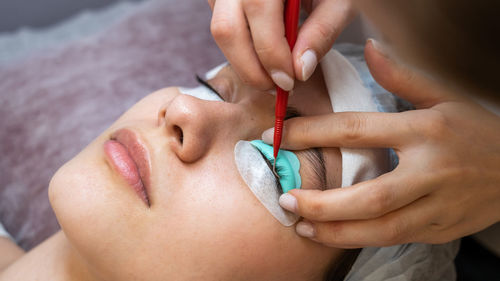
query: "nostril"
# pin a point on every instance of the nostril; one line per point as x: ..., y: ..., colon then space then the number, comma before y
x: 179, y: 133
x: 161, y: 116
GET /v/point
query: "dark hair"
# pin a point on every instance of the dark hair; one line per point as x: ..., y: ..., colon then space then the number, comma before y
x: 458, y: 39
x: 338, y: 269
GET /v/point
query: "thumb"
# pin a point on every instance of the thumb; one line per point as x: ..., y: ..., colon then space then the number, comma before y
x: 316, y: 36
x: 409, y: 84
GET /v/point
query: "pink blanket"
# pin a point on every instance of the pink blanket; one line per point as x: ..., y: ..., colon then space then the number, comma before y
x: 55, y: 103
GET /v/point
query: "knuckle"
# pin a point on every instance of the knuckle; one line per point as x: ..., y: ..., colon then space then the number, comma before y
x: 434, y: 124
x: 304, y: 130
x: 221, y: 28
x: 436, y: 227
x: 403, y: 77
x: 252, y: 6
x: 324, y: 29
x: 325, y: 32
x: 256, y: 78
x: 330, y: 233
x: 265, y: 50
x: 395, y: 232
x: 315, y: 209
x: 353, y: 127
x: 409, y: 76
x: 379, y: 201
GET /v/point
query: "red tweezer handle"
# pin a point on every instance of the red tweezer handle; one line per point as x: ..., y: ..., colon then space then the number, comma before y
x: 292, y: 8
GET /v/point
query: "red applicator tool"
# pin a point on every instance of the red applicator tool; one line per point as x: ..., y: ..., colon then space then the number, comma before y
x: 292, y: 8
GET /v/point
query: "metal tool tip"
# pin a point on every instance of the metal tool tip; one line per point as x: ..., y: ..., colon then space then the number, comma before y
x: 274, y: 169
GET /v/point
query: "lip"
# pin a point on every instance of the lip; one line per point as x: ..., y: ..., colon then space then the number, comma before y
x: 129, y: 156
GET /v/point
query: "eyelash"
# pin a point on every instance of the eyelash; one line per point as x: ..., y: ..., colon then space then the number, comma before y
x: 205, y: 83
x: 270, y: 166
x: 290, y: 113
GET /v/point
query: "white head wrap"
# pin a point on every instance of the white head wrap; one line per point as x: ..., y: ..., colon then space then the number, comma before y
x: 348, y: 93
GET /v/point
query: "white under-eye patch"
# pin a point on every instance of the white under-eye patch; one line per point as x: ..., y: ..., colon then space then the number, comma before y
x: 260, y: 179
x: 200, y: 92
x: 214, y: 71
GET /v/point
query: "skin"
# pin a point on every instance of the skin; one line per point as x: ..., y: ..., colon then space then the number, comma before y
x: 447, y: 183
x: 203, y: 222
x: 10, y: 252
x: 251, y: 34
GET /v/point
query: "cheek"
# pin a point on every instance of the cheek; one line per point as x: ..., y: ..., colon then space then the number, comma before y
x: 211, y: 219
x: 99, y: 217
x: 222, y: 228
x: 85, y: 190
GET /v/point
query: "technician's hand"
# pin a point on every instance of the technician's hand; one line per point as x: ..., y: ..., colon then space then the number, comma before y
x: 447, y: 183
x: 251, y: 34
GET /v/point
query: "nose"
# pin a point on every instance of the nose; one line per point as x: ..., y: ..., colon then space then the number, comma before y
x: 193, y: 125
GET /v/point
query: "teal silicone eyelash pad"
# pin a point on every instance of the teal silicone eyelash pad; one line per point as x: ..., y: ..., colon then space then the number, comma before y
x: 261, y: 181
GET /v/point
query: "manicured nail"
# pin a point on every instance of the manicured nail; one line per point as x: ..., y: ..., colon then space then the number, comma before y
x: 309, y: 62
x: 282, y: 79
x: 305, y: 229
x: 288, y: 202
x: 268, y: 136
x: 378, y: 46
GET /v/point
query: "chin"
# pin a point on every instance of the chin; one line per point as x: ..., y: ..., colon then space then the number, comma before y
x: 75, y: 197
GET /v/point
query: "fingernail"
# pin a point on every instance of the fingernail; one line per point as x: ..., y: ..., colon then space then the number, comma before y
x: 268, y: 136
x: 378, y: 46
x: 288, y: 202
x: 282, y: 79
x: 305, y: 229
x: 309, y: 62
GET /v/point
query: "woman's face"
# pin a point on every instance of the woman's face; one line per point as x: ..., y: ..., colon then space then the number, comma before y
x: 198, y: 220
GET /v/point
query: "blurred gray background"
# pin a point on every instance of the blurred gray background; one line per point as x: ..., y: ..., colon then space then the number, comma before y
x: 15, y: 14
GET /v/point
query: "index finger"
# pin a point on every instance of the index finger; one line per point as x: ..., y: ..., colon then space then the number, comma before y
x: 321, y: 28
x: 365, y: 200
x: 230, y: 31
x: 346, y: 129
x: 265, y: 19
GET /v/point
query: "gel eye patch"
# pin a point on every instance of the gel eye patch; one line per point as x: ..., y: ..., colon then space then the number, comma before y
x: 287, y: 165
x: 261, y: 181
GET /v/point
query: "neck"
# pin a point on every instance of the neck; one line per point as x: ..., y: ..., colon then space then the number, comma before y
x: 55, y: 260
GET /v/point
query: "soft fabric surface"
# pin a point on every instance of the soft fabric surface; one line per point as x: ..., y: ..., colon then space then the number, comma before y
x: 27, y: 40
x: 57, y: 101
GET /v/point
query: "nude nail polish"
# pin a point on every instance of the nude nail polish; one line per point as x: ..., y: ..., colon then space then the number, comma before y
x: 305, y: 229
x: 268, y: 136
x: 282, y: 79
x: 309, y: 62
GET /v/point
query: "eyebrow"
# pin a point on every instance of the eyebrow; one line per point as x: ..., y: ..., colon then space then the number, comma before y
x: 315, y: 157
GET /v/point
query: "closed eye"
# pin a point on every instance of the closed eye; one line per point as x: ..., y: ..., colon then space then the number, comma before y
x: 270, y: 166
x: 205, y: 84
x: 313, y: 156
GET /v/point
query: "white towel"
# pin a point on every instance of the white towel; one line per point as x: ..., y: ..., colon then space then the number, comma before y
x: 348, y: 93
